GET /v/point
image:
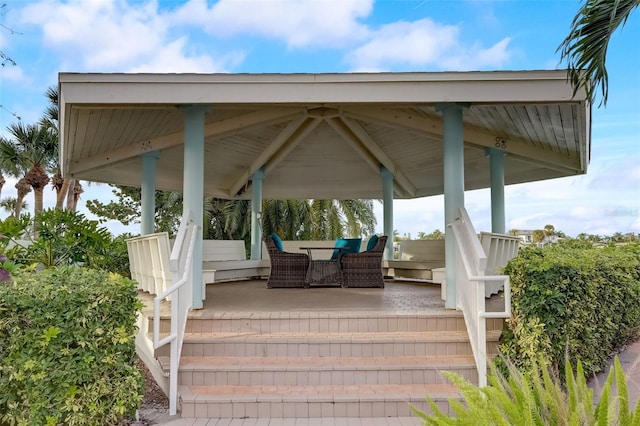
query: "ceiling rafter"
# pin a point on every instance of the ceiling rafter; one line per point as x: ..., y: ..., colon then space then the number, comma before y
x: 276, y: 144
x: 473, y: 136
x: 372, y: 162
x: 215, y: 129
x: 356, y: 135
x: 301, y: 132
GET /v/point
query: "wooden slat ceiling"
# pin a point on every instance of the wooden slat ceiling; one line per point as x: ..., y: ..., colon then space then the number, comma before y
x: 323, y: 150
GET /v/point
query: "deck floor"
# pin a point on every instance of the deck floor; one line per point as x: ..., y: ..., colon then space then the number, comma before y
x: 398, y: 296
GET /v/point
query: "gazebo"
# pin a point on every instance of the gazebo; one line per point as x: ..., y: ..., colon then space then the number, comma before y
x: 325, y: 136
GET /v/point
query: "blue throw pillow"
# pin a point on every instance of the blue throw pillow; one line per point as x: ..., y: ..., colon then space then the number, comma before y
x: 352, y: 245
x: 372, y: 242
x: 340, y: 243
x: 277, y: 241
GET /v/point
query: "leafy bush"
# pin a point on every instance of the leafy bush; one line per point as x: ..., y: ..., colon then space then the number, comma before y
x: 572, y: 302
x: 12, y: 229
x: 114, y: 257
x: 63, y: 237
x: 67, y: 348
x: 537, y: 398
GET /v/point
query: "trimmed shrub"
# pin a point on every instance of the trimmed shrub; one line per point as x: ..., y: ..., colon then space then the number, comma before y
x: 572, y: 302
x: 67, y: 349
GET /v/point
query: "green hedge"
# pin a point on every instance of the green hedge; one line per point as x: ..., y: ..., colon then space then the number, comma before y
x: 67, y: 349
x: 572, y: 302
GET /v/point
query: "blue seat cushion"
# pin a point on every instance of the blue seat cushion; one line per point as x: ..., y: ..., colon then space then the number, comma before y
x: 352, y: 245
x: 277, y: 241
x: 372, y: 242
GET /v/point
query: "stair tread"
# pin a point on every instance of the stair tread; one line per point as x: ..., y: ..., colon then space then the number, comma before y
x: 317, y: 393
x: 344, y: 336
x: 355, y: 362
x: 278, y: 315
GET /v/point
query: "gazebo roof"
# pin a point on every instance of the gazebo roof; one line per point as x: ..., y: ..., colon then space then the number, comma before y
x: 322, y: 136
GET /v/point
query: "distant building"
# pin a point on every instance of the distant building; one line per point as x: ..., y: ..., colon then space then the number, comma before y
x: 526, y: 238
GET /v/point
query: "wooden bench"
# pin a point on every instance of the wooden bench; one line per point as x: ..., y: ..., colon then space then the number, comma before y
x: 416, y: 259
x: 223, y: 260
x: 226, y: 260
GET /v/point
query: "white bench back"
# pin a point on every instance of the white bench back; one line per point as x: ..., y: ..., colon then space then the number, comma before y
x: 428, y: 250
x: 499, y: 248
x: 213, y: 250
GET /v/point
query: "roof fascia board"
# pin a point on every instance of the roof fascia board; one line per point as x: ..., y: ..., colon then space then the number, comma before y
x: 421, y: 88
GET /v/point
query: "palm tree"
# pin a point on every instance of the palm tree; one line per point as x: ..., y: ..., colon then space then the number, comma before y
x: 32, y: 149
x: 7, y: 166
x: 23, y: 189
x: 287, y: 218
x: 9, y: 205
x: 339, y: 218
x: 585, y: 48
x: 50, y: 120
x: 291, y: 219
x: 74, y: 195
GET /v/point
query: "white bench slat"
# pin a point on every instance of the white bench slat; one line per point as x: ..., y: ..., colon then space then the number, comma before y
x: 417, y: 258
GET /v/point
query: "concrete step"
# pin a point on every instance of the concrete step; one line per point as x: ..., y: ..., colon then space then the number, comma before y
x: 331, y: 344
x: 354, y: 401
x: 309, y: 371
x: 324, y: 322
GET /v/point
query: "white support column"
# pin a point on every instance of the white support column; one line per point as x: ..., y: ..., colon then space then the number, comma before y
x: 148, y: 192
x: 387, y: 204
x: 453, y: 189
x: 496, y: 167
x: 193, y: 187
x: 256, y: 215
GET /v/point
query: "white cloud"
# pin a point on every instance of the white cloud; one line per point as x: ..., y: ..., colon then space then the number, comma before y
x: 115, y: 36
x: 319, y: 23
x: 13, y: 74
x: 421, y: 44
x: 172, y: 59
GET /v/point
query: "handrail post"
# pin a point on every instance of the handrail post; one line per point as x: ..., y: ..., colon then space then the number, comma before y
x: 471, y: 266
x: 180, y: 293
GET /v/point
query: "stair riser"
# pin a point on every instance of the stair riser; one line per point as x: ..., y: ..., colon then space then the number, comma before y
x: 346, y: 349
x: 311, y: 377
x: 266, y: 409
x: 379, y: 324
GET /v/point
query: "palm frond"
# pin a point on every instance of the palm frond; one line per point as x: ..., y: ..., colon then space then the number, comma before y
x: 585, y: 47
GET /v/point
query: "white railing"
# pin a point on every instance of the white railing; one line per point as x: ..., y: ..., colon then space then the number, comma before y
x: 180, y: 294
x: 149, y: 261
x: 471, y: 267
x: 499, y: 248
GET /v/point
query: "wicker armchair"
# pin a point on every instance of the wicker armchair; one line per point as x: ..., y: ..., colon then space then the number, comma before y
x: 288, y: 270
x: 364, y: 269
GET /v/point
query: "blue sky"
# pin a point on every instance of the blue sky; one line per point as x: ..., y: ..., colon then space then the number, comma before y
x: 344, y: 36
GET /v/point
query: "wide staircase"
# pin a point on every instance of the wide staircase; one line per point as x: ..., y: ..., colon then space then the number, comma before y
x: 321, y: 364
